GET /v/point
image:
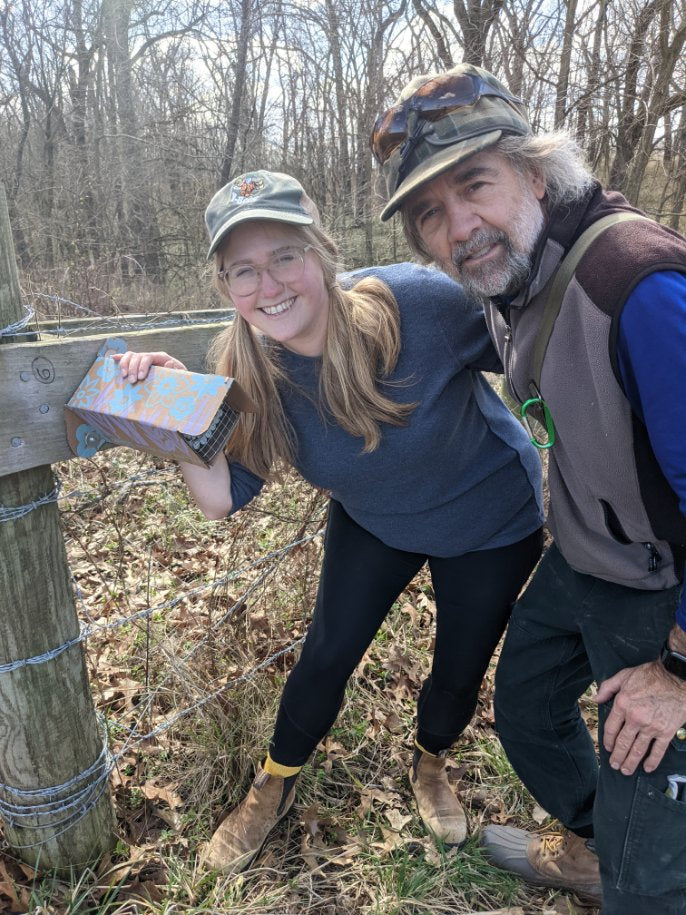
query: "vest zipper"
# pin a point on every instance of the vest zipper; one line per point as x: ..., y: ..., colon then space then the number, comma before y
x: 655, y: 556
x: 508, y: 364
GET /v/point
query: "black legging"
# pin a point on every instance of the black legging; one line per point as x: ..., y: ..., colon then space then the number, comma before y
x: 360, y: 580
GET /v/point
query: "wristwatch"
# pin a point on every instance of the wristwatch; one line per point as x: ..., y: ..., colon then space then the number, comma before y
x: 673, y: 662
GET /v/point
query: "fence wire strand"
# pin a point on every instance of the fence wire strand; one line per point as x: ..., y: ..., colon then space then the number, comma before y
x: 58, y: 808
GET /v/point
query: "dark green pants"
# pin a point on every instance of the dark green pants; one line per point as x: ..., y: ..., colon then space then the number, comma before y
x: 566, y: 631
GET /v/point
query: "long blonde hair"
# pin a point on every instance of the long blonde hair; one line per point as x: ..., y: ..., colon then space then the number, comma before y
x: 361, y: 349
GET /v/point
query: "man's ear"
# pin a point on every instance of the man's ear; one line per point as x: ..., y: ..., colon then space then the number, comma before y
x: 537, y: 184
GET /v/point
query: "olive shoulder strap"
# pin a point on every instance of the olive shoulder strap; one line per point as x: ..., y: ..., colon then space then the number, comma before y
x: 558, y: 286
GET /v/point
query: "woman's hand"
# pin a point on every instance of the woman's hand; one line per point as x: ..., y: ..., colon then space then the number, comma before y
x: 135, y: 366
x: 209, y: 486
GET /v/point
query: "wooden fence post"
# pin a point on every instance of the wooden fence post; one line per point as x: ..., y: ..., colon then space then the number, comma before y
x: 49, y: 733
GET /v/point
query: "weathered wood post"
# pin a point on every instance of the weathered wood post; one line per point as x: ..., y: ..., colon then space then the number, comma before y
x: 49, y: 734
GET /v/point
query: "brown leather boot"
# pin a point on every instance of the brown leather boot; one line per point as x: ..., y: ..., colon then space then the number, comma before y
x: 563, y: 860
x: 239, y: 838
x: 441, y: 811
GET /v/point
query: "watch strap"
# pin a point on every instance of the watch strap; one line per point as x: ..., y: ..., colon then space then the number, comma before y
x: 673, y: 662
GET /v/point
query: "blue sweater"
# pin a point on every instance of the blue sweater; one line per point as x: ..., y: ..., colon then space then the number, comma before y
x: 651, y: 352
x: 461, y: 475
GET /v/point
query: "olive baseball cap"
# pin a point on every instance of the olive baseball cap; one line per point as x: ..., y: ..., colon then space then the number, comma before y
x: 257, y: 195
x: 443, y: 141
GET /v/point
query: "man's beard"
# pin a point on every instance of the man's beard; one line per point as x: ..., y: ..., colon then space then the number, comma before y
x: 509, y: 272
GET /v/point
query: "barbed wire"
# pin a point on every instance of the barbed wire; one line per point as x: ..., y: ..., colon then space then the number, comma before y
x: 85, y: 797
x: 144, y: 708
x: 16, y: 329
x: 14, y: 512
x: 194, y: 592
x: 104, y: 322
x: 144, y: 323
x: 94, y: 628
x: 59, y: 300
x: 58, y: 808
x: 245, y: 677
x: 153, y: 477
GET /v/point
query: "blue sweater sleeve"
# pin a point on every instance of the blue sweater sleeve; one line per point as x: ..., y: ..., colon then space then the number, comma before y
x: 651, y: 354
x: 244, y: 485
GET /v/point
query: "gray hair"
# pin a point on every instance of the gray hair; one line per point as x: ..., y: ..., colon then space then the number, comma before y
x: 555, y: 156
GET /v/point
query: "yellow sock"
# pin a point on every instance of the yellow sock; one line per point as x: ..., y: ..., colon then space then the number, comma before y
x: 422, y: 750
x: 274, y: 768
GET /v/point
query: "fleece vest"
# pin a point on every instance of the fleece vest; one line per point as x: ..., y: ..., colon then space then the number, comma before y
x: 612, y: 512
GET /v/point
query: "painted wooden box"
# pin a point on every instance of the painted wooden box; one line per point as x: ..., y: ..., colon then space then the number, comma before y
x: 184, y: 416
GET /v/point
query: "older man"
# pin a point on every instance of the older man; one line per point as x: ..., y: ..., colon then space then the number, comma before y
x: 598, y: 354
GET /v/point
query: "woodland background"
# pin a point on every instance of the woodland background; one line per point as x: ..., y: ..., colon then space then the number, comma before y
x: 120, y: 118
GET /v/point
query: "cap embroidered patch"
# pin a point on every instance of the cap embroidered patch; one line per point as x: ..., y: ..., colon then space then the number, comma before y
x: 249, y: 185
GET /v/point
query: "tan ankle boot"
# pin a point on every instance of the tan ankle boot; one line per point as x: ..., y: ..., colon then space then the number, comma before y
x: 239, y: 838
x: 441, y: 811
x: 563, y: 860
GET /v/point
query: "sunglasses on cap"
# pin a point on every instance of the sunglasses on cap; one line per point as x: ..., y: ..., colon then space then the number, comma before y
x: 432, y: 101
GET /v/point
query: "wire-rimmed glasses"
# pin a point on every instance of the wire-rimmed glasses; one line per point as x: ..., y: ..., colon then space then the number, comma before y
x: 284, y: 266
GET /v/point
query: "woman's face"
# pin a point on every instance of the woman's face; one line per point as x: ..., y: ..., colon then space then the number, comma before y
x: 293, y: 313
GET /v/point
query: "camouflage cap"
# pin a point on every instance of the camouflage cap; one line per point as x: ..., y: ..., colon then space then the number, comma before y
x: 460, y: 133
x: 257, y: 195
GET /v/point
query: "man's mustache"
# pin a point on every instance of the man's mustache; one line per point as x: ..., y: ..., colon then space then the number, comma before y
x: 463, y: 250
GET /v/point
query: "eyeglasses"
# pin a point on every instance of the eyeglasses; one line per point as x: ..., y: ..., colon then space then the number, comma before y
x: 432, y: 101
x: 285, y: 266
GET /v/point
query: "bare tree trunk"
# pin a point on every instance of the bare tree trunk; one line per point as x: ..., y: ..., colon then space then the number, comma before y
x: 79, y: 86
x: 234, y: 121
x: 632, y: 117
x: 678, y: 173
x: 664, y: 62
x: 565, y: 64
x: 442, y: 49
x: 476, y: 17
x: 591, y: 89
x: 140, y: 223
x: 345, y: 171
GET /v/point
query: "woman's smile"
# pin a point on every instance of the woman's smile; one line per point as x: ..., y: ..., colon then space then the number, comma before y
x: 277, y: 309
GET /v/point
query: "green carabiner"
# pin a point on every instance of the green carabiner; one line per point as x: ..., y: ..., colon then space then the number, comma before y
x: 546, y: 422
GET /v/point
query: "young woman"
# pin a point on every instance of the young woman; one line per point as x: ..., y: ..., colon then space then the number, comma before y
x: 370, y: 388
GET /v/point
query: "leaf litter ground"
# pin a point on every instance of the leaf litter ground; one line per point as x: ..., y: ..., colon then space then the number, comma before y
x: 353, y: 842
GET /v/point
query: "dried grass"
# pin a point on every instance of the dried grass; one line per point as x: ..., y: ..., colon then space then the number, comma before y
x: 353, y: 843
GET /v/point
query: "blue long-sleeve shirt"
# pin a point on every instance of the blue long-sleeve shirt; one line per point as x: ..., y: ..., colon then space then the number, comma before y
x: 651, y: 354
x: 460, y: 475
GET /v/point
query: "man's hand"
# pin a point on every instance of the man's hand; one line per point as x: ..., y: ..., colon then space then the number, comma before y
x: 649, y: 708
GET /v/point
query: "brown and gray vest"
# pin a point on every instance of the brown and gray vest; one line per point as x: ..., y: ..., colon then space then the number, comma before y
x: 612, y: 512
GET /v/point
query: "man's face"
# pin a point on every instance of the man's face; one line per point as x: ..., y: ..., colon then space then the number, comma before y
x: 480, y: 221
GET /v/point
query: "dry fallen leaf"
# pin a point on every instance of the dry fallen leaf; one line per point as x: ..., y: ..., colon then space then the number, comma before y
x: 396, y: 819
x: 432, y: 855
x: 391, y: 841
x: 539, y: 815
x: 7, y: 886
x: 393, y: 723
x: 311, y: 821
x: 161, y: 793
x: 308, y: 853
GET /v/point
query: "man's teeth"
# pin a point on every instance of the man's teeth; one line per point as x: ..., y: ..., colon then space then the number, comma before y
x: 480, y: 252
x: 277, y: 309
